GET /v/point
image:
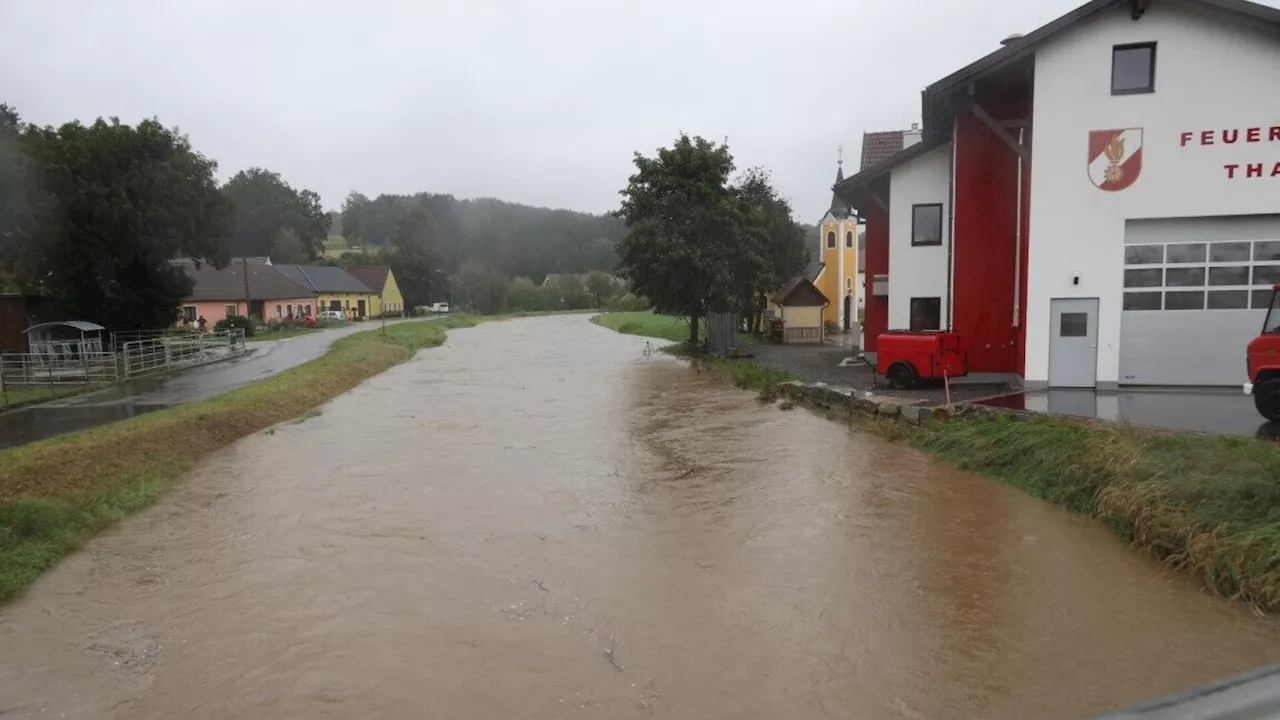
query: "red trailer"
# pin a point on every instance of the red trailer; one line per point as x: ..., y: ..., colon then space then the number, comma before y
x: 1263, y: 359
x: 906, y: 357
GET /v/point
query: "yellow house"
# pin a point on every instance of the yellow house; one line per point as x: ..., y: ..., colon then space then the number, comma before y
x: 802, y: 308
x: 382, y: 281
x: 838, y: 251
x: 335, y: 289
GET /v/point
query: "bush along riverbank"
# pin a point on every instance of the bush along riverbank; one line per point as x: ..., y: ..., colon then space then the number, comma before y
x: 57, y: 493
x: 1206, y: 505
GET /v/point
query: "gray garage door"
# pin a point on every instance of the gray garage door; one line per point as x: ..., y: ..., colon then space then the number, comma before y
x: 1195, y: 293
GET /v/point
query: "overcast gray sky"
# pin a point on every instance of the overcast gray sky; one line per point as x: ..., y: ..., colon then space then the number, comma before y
x: 539, y: 102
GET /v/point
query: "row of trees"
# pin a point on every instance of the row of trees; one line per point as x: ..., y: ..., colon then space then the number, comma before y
x: 515, y: 239
x: 486, y: 289
x: 90, y: 216
x: 697, y: 242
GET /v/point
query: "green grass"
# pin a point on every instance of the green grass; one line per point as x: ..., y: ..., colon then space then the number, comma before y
x: 17, y: 397
x: 57, y: 493
x: 645, y: 323
x: 742, y: 373
x: 1207, y: 505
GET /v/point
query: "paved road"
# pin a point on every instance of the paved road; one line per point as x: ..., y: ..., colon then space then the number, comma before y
x: 141, y: 396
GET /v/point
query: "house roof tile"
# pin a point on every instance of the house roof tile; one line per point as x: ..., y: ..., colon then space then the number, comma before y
x: 265, y: 281
x: 324, y: 279
x: 879, y: 146
x: 375, y: 276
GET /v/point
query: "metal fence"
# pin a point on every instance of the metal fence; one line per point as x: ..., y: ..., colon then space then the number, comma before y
x: 40, y: 373
x: 173, y: 352
x: 24, y: 369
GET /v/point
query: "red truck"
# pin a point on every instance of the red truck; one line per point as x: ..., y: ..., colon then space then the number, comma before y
x: 1264, y: 363
x: 906, y: 357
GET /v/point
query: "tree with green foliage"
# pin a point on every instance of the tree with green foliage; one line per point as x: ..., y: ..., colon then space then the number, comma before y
x: 415, y: 256
x: 109, y: 206
x: 783, y: 251
x: 601, y: 286
x: 527, y: 296
x: 484, y: 287
x: 692, y: 244
x: 265, y: 206
x: 288, y: 249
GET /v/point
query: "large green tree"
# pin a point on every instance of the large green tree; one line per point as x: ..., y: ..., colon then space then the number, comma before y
x: 107, y: 206
x: 692, y: 244
x: 266, y: 205
x: 782, y: 251
x: 415, y: 259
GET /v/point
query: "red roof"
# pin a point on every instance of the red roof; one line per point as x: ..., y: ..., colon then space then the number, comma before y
x: 879, y: 146
x: 375, y: 276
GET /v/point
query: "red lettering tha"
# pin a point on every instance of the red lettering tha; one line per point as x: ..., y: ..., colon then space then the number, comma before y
x: 1275, y: 133
x: 1275, y: 171
x: 1253, y: 170
x: 1186, y: 138
x: 1230, y: 136
x: 1231, y: 170
x: 1254, y: 135
x: 1206, y: 137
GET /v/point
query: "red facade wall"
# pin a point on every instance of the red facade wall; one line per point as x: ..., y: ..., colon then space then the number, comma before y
x: 875, y: 309
x: 984, y: 259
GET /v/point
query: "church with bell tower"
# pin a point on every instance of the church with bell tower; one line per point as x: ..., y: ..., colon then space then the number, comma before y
x: 838, y: 252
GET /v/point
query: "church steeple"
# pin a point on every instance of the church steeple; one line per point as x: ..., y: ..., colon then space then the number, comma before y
x: 839, y: 208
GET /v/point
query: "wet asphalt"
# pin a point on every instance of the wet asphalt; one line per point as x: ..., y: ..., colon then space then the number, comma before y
x: 38, y: 422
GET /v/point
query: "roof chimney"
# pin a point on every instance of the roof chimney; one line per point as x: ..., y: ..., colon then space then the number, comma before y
x: 1013, y: 38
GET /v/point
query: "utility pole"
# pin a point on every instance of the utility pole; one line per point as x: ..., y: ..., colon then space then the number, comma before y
x: 244, y: 263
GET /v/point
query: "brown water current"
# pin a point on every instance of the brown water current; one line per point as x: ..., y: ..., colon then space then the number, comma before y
x: 541, y: 520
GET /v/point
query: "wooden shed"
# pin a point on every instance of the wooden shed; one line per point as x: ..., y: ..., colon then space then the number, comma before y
x: 801, y: 307
x: 17, y: 313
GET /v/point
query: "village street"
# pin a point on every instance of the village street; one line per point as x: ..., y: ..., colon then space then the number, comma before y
x: 541, y: 519
x: 24, y: 425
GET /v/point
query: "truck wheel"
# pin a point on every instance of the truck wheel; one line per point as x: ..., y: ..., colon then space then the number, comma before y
x: 1266, y: 397
x: 901, y: 376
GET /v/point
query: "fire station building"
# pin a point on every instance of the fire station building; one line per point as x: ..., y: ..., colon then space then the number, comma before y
x: 1096, y: 203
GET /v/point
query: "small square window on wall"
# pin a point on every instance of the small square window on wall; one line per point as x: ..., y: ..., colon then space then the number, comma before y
x: 230, y: 310
x: 831, y: 239
x: 926, y: 314
x: 1133, y: 69
x: 926, y: 224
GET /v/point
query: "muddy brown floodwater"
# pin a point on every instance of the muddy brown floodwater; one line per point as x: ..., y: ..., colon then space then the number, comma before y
x: 541, y: 520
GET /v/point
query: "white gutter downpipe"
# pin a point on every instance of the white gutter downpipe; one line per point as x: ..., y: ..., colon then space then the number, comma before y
x: 1017, y: 245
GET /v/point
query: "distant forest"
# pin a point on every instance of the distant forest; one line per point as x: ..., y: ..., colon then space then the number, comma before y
x: 514, y: 239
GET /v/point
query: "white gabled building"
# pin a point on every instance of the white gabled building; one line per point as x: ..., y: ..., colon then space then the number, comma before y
x: 1100, y: 198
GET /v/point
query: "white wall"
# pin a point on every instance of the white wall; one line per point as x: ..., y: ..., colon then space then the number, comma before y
x: 1210, y: 75
x: 917, y: 271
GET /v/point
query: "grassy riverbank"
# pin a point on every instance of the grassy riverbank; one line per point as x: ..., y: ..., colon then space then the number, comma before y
x: 741, y: 373
x: 645, y: 323
x: 1206, y: 505
x: 57, y: 493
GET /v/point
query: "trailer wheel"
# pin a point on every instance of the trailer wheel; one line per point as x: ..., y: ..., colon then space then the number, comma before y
x: 1266, y: 397
x: 901, y: 376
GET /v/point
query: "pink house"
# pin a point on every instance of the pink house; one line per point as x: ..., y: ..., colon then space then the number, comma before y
x: 250, y: 287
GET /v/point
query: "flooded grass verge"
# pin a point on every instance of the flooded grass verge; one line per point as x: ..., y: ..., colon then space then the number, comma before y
x: 57, y: 493
x: 1205, y: 505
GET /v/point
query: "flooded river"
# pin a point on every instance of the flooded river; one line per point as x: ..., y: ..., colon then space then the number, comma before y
x: 541, y: 520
